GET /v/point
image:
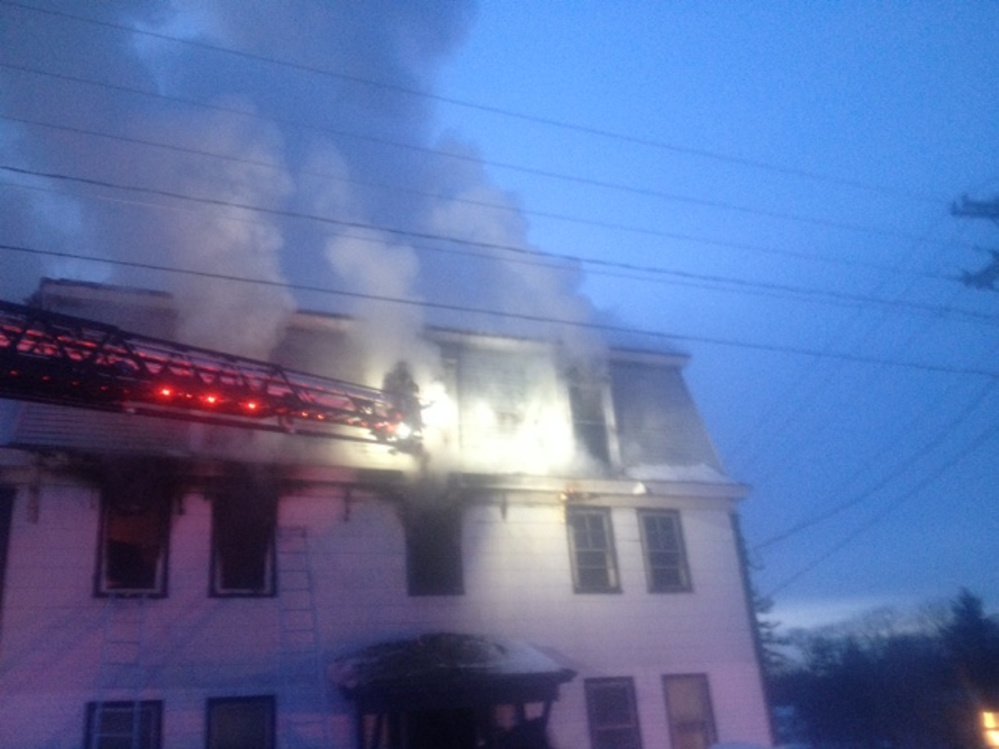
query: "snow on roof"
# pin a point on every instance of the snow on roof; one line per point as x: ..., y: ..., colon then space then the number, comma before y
x: 441, y: 655
x: 700, y: 473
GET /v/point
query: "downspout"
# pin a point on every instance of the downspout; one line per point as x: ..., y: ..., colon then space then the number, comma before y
x: 754, y: 624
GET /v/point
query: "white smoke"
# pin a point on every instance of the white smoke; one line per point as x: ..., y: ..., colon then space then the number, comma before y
x: 308, y: 143
x: 241, y: 318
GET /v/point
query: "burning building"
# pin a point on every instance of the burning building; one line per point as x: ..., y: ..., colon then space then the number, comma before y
x: 496, y: 545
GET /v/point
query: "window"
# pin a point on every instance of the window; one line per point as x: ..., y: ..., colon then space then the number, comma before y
x: 589, y: 421
x: 591, y: 544
x: 611, y: 711
x: 433, y: 553
x: 123, y: 725
x: 665, y: 558
x: 241, y: 723
x: 244, y: 517
x: 688, y: 705
x: 134, y: 531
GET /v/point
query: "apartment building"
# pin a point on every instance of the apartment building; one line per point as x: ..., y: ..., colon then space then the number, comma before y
x: 555, y: 563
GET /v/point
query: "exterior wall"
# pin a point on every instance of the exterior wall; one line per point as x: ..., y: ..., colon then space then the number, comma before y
x: 518, y: 584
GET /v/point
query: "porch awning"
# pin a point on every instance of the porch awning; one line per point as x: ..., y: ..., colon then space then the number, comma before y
x: 446, y: 670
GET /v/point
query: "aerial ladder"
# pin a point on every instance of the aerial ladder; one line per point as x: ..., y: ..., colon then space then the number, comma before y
x: 53, y: 358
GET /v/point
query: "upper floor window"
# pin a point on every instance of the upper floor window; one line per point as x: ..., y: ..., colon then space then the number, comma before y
x: 589, y: 419
x: 612, y: 714
x: 121, y: 725
x: 433, y: 552
x: 244, y: 516
x: 688, y: 706
x: 665, y: 558
x: 134, y: 531
x: 591, y: 545
x: 241, y: 723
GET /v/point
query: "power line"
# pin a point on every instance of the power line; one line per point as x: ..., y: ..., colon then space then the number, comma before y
x: 491, y: 109
x: 631, y: 267
x: 979, y: 441
x: 480, y: 203
x: 914, y: 457
x: 699, y: 281
x: 525, y: 317
x: 575, y: 179
x: 807, y: 383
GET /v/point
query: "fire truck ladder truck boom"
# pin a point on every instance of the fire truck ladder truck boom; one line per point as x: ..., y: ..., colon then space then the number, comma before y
x: 53, y: 358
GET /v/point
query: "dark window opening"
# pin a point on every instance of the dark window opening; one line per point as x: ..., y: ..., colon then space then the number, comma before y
x: 589, y: 421
x: 134, y: 531
x: 123, y: 725
x: 665, y: 557
x: 241, y: 723
x: 441, y: 729
x: 612, y: 714
x: 591, y: 543
x: 244, y: 516
x: 688, y: 705
x: 433, y: 553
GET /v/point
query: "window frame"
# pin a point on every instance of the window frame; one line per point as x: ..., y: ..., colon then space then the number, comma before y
x: 590, y: 687
x: 268, y: 700
x: 92, y: 740
x: 711, y: 735
x: 420, y: 580
x: 609, y: 553
x: 161, y: 503
x: 683, y: 566
x: 215, y: 587
x: 590, y: 416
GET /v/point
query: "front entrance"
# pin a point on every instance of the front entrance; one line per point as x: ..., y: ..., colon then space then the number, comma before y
x: 450, y: 691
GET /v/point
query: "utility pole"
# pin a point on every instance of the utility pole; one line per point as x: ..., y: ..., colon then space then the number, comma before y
x: 969, y: 208
x: 987, y: 277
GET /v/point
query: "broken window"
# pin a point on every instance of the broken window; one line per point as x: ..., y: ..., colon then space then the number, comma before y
x: 433, y: 553
x: 612, y: 714
x: 241, y: 723
x: 244, y: 516
x: 134, y: 530
x: 591, y: 544
x: 665, y: 558
x: 688, y: 705
x: 123, y: 725
x: 589, y: 418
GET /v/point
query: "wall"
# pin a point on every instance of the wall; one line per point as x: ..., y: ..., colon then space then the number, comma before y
x: 518, y: 585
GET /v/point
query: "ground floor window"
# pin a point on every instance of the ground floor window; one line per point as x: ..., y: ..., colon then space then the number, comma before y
x: 124, y: 725
x: 612, y: 714
x: 688, y: 705
x: 241, y: 723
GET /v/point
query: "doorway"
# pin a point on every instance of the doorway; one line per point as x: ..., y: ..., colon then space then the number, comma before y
x: 452, y: 728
